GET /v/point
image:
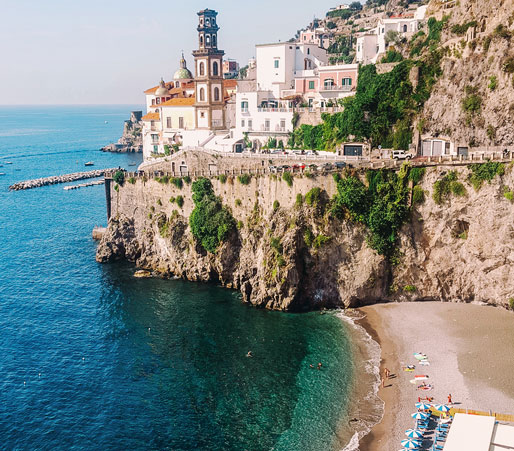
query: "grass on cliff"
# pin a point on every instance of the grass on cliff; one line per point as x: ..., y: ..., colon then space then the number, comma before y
x: 210, y: 222
x: 485, y: 172
x: 382, y: 206
x: 448, y: 185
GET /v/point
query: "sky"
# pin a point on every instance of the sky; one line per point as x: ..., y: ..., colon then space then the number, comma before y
x: 110, y: 51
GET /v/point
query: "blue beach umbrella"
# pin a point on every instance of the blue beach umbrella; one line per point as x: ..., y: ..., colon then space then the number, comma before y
x: 420, y: 416
x: 411, y: 444
x: 413, y: 433
x: 423, y: 405
x: 442, y: 408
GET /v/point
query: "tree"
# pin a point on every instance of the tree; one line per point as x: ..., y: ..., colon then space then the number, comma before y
x: 392, y: 36
x: 356, y: 6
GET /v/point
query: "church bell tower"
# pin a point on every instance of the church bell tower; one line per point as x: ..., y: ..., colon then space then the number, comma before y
x: 209, y: 104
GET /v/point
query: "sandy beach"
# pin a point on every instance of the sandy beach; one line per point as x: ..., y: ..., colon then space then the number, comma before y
x: 469, y: 348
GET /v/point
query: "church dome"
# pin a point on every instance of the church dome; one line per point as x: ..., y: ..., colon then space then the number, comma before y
x: 161, y: 90
x: 183, y: 73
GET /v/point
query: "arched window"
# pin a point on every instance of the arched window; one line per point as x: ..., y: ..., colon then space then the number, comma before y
x: 214, y: 40
x: 308, y: 51
x: 329, y: 82
x: 208, y: 22
x: 405, y: 28
x: 202, y: 95
x: 207, y: 40
x: 177, y: 85
x: 202, y: 69
x: 215, y: 68
x: 216, y: 94
x: 201, y: 40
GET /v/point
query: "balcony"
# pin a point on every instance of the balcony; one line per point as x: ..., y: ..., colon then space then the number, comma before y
x: 278, y: 128
x: 217, y: 123
x: 265, y: 128
x: 275, y: 110
x: 244, y: 110
x: 332, y: 88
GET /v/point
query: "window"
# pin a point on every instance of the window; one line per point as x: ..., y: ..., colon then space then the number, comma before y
x: 250, y: 124
x: 201, y: 40
x: 277, y: 63
x: 311, y: 85
x: 214, y: 40
x: 216, y: 94
x: 243, y: 123
x: 177, y: 85
x: 329, y: 82
x: 244, y: 106
x: 158, y: 100
x: 215, y: 68
x: 282, y: 124
x: 347, y: 81
x: 308, y: 51
x: 208, y: 22
x: 405, y: 28
x: 266, y: 124
x: 213, y: 22
x: 168, y: 122
x: 202, y: 114
x: 180, y: 122
x: 207, y: 40
x: 202, y: 69
x: 202, y: 95
x: 153, y: 101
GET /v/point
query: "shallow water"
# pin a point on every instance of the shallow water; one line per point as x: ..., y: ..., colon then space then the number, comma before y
x: 92, y: 358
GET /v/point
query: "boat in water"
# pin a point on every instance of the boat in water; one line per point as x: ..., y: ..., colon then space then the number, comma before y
x: 132, y: 164
x: 89, y: 163
x: 8, y: 162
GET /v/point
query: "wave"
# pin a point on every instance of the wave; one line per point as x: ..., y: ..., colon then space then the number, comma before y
x: 370, y: 408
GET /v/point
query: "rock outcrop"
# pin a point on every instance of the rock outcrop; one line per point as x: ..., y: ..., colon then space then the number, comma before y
x: 132, y: 139
x: 288, y: 255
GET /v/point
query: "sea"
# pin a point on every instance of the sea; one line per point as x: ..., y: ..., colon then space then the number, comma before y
x: 92, y: 358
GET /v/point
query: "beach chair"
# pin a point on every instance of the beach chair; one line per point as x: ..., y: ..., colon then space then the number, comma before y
x: 437, y: 448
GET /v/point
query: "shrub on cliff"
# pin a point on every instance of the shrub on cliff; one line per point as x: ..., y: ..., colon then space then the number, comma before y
x: 288, y: 178
x: 210, y: 221
x: 177, y: 182
x: 485, y: 172
x: 244, y: 179
x: 119, y: 177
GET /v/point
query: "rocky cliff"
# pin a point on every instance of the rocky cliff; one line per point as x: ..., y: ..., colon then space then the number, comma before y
x: 289, y: 253
x: 131, y: 140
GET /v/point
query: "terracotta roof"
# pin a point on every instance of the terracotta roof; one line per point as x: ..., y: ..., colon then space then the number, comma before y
x: 231, y: 83
x: 187, y: 101
x: 151, y: 117
x: 189, y: 84
x: 168, y: 84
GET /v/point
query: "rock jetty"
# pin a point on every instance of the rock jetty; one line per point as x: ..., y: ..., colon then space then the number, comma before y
x: 54, y: 180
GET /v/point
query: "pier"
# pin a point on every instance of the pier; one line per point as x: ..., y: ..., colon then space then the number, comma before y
x: 56, y: 179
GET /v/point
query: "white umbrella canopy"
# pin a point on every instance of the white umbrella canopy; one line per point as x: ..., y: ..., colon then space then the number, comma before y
x: 411, y: 444
x: 420, y: 416
x: 423, y: 405
x: 413, y: 433
x: 442, y: 407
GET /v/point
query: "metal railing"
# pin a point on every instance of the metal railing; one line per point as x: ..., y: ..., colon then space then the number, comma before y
x: 274, y: 110
x: 336, y: 88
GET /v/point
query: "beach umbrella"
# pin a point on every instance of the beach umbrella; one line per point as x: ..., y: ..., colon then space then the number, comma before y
x: 413, y: 433
x: 423, y: 405
x: 411, y: 444
x: 442, y: 408
x: 420, y: 416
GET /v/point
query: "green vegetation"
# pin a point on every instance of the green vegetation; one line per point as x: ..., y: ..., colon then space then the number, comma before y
x: 308, y: 237
x: 164, y: 179
x: 299, y: 200
x: 493, y: 82
x: 276, y: 205
x: 511, y: 303
x: 320, y: 241
x: 410, y: 289
x: 244, y: 179
x: 485, y: 171
x: 392, y: 56
x: 119, y: 177
x: 382, y: 206
x: 223, y: 178
x: 159, y: 202
x: 177, y: 182
x: 172, y: 200
x: 418, y: 195
x: 508, y: 65
x: 167, y: 150
x: 210, y: 221
x: 116, y: 187
x: 447, y: 185
x: 501, y: 31
x: 288, y: 178
x: 487, y: 43
x: 341, y: 50
x: 416, y: 174
x: 381, y: 111
x: 187, y: 179
x: 472, y: 103
x: 509, y: 195
x: 238, y: 202
x: 239, y: 225
x: 132, y: 180
x: 179, y: 200
x: 491, y: 132
x: 461, y: 29
x: 313, y: 197
x: 433, y: 38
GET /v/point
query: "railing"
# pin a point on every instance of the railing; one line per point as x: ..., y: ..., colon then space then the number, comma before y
x: 217, y: 123
x: 264, y: 128
x: 244, y: 110
x: 336, y: 88
x: 275, y: 110
x: 280, y: 129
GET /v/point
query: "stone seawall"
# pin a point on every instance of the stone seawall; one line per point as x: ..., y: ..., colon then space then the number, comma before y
x: 460, y: 251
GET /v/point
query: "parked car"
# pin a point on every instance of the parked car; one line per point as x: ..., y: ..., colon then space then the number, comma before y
x: 272, y: 168
x: 302, y: 166
x: 340, y: 164
x: 285, y: 167
x: 313, y: 167
x: 327, y: 166
x: 296, y: 167
x: 401, y: 155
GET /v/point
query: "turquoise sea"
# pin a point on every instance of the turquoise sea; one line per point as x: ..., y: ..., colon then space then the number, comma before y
x: 93, y: 359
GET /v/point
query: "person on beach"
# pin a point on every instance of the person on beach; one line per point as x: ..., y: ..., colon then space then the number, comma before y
x: 387, y: 373
x: 450, y: 399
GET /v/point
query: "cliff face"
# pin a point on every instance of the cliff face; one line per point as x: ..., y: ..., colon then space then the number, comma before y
x: 131, y: 140
x: 478, y: 64
x: 295, y: 257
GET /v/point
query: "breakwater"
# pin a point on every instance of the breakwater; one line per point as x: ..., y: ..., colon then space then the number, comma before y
x: 54, y: 180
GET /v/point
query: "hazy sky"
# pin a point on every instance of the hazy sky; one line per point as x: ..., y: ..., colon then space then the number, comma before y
x: 110, y: 51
